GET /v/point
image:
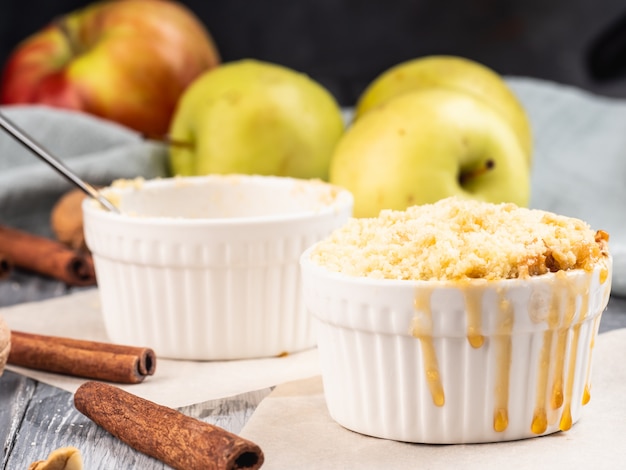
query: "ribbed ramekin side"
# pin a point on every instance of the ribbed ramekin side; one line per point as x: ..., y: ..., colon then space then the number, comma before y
x: 249, y: 306
x: 376, y: 384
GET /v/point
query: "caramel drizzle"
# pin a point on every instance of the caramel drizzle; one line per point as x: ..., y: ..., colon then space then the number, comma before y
x: 587, y: 390
x: 540, y: 420
x: 560, y: 319
x: 539, y: 423
x: 560, y: 396
x: 473, y: 307
x: 432, y: 371
x: 604, y: 276
x: 566, y: 416
x: 561, y: 349
x: 422, y: 330
x: 503, y: 344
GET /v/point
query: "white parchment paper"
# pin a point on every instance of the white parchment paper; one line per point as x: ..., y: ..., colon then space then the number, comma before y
x: 294, y: 429
x: 175, y: 383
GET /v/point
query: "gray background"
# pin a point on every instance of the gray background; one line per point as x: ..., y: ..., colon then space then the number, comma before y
x: 345, y: 43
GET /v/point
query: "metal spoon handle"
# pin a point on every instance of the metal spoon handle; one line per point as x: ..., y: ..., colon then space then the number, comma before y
x: 28, y: 142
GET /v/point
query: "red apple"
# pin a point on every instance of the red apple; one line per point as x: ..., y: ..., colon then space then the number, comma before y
x: 124, y: 60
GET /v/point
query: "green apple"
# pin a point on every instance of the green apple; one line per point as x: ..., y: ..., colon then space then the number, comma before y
x: 454, y: 73
x: 427, y: 145
x: 255, y: 117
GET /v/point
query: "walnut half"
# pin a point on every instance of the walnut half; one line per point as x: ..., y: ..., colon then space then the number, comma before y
x: 65, y: 458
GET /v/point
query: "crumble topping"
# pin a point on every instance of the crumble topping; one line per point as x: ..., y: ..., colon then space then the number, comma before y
x: 456, y: 239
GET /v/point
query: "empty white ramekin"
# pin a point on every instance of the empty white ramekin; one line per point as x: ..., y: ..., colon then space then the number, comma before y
x: 448, y: 362
x: 206, y: 267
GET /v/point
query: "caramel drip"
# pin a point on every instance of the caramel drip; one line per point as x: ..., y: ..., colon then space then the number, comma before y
x: 562, y: 395
x: 557, y: 386
x: 540, y: 420
x: 561, y: 349
x: 604, y: 275
x: 500, y: 419
x: 596, y: 325
x: 584, y: 312
x: 473, y: 307
x: 553, y: 355
x: 539, y: 423
x: 503, y: 347
x: 422, y: 330
x: 587, y: 390
x: 606, y: 294
x: 432, y: 371
x: 586, y: 394
x: 566, y: 417
x: 584, y: 304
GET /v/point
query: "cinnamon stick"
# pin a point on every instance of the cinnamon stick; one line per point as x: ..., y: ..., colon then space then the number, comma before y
x: 179, y: 441
x: 80, y: 358
x: 5, y: 266
x: 47, y: 257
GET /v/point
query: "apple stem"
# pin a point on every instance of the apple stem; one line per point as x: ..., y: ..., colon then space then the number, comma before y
x: 167, y: 140
x: 476, y: 172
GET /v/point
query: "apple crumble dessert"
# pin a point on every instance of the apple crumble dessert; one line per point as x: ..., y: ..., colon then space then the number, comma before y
x: 456, y: 239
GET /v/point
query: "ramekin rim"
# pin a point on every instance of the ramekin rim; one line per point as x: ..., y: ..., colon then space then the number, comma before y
x: 343, y: 200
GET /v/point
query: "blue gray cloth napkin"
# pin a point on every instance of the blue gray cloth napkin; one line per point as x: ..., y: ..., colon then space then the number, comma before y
x: 579, y: 164
x: 98, y: 151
